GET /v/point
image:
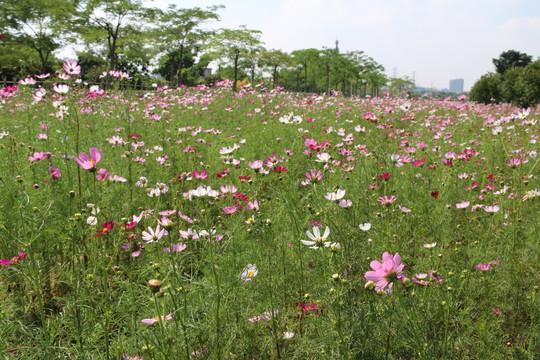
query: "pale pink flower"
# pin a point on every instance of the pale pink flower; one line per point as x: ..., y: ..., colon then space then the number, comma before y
x: 386, y: 201
x: 61, y: 88
x: 385, y: 273
x: 72, y: 68
x: 153, y: 236
x: 462, y: 205
x: 157, y: 318
x: 229, y: 210
x: 514, y: 162
x: 491, y: 209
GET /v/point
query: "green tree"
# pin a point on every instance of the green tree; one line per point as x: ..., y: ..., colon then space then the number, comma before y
x: 108, y: 23
x: 275, y: 60
x: 305, y: 58
x: 232, y: 45
x: 529, y: 78
x: 487, y: 89
x: 511, y: 59
x: 39, y: 25
x: 178, y: 30
x: 512, y: 86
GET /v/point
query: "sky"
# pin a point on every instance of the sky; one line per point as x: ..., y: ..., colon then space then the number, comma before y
x: 432, y: 41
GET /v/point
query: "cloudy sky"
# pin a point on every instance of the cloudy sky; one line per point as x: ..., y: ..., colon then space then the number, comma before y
x: 434, y: 40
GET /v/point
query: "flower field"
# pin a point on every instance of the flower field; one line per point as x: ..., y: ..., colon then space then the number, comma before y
x: 202, y: 223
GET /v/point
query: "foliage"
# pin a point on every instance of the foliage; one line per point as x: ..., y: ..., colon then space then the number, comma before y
x: 487, y: 89
x: 204, y: 223
x: 511, y: 59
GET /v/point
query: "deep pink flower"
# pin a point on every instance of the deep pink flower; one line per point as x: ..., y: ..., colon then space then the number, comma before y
x: 419, y: 162
x: 385, y: 273
x: 89, y: 163
x: 55, y: 172
x: 13, y: 260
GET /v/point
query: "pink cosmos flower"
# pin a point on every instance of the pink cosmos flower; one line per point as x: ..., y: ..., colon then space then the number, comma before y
x: 404, y: 209
x: 157, y: 318
x: 13, y: 260
x: 229, y: 210
x: 55, y: 172
x: 419, y: 162
x: 514, y: 162
x: 103, y: 175
x: 89, y: 163
x: 463, y: 205
x: 482, y: 267
x: 39, y: 156
x: 385, y: 273
x: 176, y: 248
x: 72, y: 68
x: 386, y: 201
x: 491, y: 209
x: 153, y: 236
x: 61, y: 88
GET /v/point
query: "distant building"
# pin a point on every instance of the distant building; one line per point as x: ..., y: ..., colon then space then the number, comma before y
x: 207, y: 72
x: 456, y: 86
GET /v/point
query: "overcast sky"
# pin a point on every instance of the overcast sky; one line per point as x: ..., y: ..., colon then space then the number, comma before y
x: 434, y: 40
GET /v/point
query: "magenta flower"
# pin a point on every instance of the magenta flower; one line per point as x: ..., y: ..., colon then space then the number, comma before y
x: 55, y: 172
x: 13, y: 260
x: 385, y: 273
x: 482, y: 267
x: 89, y: 163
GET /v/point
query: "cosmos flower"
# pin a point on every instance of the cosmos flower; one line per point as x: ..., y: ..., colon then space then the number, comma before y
x: 317, y: 241
x: 89, y: 163
x: 13, y: 260
x: 249, y: 272
x: 384, y: 274
x: 156, y: 319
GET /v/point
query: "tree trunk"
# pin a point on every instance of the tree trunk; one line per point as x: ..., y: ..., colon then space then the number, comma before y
x: 171, y: 59
x: 236, y: 56
x: 305, y: 78
x: 180, y: 63
x: 274, y: 76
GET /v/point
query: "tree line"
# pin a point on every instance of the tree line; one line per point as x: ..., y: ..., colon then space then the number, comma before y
x: 125, y: 35
x: 516, y: 80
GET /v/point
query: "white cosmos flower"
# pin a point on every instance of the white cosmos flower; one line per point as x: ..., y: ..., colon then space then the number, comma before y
x: 249, y: 272
x: 61, y: 89
x: 335, y: 196
x: 92, y: 221
x: 323, y: 157
x: 365, y: 227
x: 430, y: 246
x: 317, y: 241
x: 153, y: 236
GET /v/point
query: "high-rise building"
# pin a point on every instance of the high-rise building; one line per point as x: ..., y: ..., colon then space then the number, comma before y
x: 456, y: 85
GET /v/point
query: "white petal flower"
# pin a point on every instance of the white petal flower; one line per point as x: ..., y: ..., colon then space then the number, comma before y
x: 365, y: 227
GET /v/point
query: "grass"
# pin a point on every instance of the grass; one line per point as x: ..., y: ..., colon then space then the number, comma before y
x: 82, y: 290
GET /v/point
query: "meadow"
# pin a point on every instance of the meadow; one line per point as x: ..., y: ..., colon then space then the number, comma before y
x: 259, y: 224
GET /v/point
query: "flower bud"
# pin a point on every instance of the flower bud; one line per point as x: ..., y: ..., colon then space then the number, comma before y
x: 155, y: 285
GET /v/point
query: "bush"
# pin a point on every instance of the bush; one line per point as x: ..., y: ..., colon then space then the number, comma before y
x: 487, y: 89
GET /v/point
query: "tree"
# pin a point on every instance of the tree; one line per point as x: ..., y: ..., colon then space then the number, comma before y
x: 179, y: 30
x: 275, y: 60
x: 110, y: 21
x: 232, y: 45
x: 305, y: 58
x: 36, y: 24
x: 487, y: 89
x: 530, y: 80
x: 511, y: 59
